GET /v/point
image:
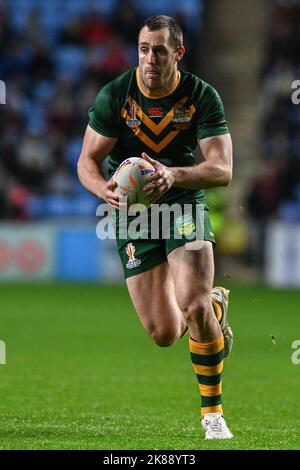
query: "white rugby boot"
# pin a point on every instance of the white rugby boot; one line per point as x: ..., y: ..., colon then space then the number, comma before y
x: 215, y: 427
x: 221, y: 296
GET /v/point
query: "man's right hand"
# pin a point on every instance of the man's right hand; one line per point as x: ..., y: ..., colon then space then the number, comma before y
x: 107, y: 193
x: 95, y: 148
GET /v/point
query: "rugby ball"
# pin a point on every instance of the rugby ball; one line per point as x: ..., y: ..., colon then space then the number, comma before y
x: 131, y: 176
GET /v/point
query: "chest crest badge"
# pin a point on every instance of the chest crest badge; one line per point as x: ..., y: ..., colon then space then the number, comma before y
x: 183, y: 117
x: 132, y: 118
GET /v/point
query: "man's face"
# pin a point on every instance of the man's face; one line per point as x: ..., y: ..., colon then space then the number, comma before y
x: 157, y: 58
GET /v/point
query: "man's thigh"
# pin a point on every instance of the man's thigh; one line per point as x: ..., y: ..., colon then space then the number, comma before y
x: 153, y: 295
x: 192, y: 271
x: 151, y: 286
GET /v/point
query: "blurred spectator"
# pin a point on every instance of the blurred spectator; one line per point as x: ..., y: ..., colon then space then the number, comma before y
x: 60, y: 180
x: 18, y: 197
x: 265, y: 194
x: 5, y: 29
x: 34, y: 159
x: 73, y: 33
x: 116, y: 61
x: 33, y: 30
x: 40, y: 66
x: 126, y: 20
x: 97, y: 29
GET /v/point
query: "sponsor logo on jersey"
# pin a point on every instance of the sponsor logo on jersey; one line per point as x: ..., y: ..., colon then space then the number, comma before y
x: 155, y: 112
x: 185, y: 224
x: 133, y: 262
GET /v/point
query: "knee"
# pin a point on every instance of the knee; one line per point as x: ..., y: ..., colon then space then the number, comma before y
x: 164, y: 337
x: 196, y: 310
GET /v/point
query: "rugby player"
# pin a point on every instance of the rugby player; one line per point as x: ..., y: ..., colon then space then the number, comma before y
x: 161, y: 114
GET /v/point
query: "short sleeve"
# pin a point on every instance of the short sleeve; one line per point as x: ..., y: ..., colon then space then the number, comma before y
x: 104, y: 116
x: 211, y: 119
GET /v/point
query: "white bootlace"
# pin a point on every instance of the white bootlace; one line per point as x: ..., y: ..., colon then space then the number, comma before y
x: 214, y: 424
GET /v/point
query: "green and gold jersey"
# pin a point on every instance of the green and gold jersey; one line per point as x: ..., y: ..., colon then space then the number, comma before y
x: 166, y: 127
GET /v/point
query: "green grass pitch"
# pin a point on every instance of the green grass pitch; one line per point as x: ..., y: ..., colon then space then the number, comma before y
x: 82, y: 374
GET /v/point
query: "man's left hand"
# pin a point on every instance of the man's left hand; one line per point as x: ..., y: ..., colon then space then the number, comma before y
x: 162, y: 180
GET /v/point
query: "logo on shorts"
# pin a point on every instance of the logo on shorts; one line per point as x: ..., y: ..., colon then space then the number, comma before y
x: 185, y: 224
x: 132, y: 262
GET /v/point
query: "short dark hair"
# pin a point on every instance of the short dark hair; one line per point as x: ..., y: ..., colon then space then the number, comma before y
x: 166, y: 22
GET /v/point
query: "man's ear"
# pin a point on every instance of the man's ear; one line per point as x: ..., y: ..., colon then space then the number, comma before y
x: 179, y: 53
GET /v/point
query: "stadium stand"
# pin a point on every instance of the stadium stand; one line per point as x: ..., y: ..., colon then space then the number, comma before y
x: 276, y: 190
x: 54, y: 57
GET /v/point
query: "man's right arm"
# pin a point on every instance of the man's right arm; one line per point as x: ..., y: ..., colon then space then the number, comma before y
x: 95, y: 148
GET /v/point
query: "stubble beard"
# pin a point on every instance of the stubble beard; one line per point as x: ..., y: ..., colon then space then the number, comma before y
x: 152, y: 84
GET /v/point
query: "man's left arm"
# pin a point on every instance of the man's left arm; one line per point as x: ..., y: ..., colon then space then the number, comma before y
x: 216, y: 170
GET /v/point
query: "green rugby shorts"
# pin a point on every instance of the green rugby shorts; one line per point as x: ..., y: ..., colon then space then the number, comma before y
x: 146, y: 240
